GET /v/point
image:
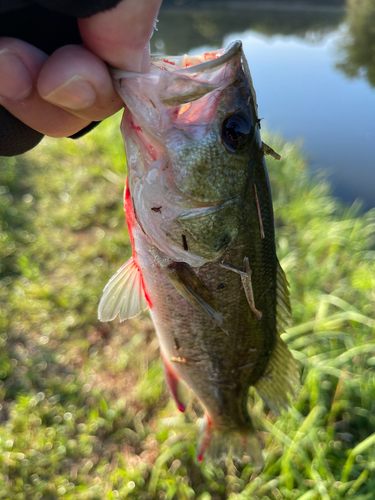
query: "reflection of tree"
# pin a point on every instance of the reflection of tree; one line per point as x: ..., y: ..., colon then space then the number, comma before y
x: 182, y: 29
x: 358, y: 49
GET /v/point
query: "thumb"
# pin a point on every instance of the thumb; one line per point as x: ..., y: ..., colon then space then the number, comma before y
x: 120, y: 35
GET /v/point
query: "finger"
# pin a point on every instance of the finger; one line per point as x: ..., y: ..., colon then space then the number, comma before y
x: 120, y: 35
x: 20, y: 66
x: 78, y: 81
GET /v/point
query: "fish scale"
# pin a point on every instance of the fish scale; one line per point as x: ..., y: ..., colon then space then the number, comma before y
x: 199, y: 212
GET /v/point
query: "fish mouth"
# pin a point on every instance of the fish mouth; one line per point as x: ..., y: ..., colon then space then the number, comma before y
x: 197, y: 64
x: 179, y: 80
x: 216, y: 58
x: 186, y: 64
x: 187, y: 78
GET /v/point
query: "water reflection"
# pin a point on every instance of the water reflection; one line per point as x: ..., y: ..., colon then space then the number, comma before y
x: 358, y: 46
x: 293, y: 51
x: 185, y: 28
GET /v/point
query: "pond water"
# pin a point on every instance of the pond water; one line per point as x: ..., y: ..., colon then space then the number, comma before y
x: 314, y: 73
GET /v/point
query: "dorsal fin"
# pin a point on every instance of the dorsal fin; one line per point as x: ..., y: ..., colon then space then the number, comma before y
x: 279, y: 379
x: 283, y: 307
x: 281, y: 374
x: 124, y: 294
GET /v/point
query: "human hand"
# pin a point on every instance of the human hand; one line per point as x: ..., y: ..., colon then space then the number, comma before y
x: 61, y: 94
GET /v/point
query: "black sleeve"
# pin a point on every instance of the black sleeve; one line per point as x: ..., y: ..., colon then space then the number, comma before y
x: 48, y: 25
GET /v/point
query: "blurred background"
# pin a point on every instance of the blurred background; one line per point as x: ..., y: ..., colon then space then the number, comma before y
x: 84, y: 409
x: 313, y: 66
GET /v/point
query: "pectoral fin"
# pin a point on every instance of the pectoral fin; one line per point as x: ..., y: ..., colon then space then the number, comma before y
x: 124, y: 294
x: 189, y: 285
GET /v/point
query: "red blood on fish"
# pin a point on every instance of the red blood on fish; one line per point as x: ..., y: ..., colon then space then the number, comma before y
x: 135, y: 126
x: 129, y: 212
x: 130, y: 221
x: 173, y: 380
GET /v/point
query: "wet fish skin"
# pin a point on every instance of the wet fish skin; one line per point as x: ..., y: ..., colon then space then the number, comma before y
x: 198, y: 196
x: 224, y: 366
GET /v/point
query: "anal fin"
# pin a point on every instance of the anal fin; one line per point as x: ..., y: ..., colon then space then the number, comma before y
x: 124, y: 294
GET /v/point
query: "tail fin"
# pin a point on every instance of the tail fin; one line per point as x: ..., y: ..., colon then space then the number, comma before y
x: 216, y: 444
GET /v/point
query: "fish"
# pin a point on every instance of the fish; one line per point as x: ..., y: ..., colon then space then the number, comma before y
x: 199, y: 213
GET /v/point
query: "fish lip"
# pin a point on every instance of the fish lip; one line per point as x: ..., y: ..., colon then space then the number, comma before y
x: 230, y: 51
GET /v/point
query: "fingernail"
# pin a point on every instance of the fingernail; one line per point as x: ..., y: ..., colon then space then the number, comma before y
x: 145, y: 65
x: 77, y: 93
x: 15, y: 81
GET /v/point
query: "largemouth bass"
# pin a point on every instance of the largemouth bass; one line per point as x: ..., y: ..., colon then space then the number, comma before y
x: 199, y: 212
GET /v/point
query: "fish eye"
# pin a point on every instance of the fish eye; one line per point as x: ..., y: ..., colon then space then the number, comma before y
x: 235, y: 130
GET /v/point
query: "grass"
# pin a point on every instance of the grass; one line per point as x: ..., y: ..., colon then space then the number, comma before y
x: 85, y: 413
